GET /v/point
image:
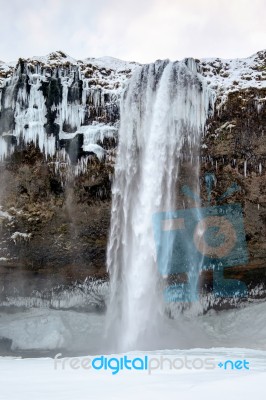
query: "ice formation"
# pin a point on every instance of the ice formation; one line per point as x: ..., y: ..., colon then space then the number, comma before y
x: 49, y: 101
x: 59, y: 103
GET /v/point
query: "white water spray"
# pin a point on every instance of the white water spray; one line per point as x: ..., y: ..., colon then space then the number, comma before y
x: 164, y: 108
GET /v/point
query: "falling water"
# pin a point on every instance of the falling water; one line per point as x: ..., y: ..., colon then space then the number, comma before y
x: 163, y: 111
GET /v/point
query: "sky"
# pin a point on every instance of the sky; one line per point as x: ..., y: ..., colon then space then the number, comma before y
x: 133, y: 30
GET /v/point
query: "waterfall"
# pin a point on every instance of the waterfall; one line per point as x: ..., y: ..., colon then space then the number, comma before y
x: 163, y: 112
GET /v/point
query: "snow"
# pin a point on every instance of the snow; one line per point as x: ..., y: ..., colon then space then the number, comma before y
x: 27, y: 379
x: 97, y: 132
x: 55, y: 58
x: 223, y: 74
x: 92, y: 136
x: 5, y: 215
x: 229, y: 75
x: 112, y: 63
x: 229, y: 335
x: 61, y: 58
x: 94, y: 148
x: 20, y: 236
x: 92, y: 133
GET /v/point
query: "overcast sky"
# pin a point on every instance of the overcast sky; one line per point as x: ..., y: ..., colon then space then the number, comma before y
x: 140, y: 30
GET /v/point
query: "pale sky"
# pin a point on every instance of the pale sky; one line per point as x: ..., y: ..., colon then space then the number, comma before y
x: 139, y: 30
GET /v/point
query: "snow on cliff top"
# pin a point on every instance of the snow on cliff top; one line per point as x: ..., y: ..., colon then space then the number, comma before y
x: 112, y: 63
x: 222, y: 75
x: 106, y: 72
x: 60, y: 58
x: 228, y: 75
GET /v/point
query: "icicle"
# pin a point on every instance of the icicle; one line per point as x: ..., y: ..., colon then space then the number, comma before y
x: 245, y: 168
x: 3, y: 148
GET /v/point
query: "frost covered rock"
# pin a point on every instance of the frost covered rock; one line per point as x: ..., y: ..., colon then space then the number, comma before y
x: 49, y: 100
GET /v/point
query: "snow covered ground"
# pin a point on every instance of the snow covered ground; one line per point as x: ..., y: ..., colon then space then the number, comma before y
x: 26, y: 379
x: 224, y: 338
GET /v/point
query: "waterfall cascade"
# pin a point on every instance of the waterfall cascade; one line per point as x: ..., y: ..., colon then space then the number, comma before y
x: 163, y: 113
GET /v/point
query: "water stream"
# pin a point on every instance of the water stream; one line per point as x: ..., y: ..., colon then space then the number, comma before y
x: 163, y: 113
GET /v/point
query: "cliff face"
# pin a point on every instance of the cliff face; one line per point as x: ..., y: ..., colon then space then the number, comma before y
x: 58, y: 133
x: 234, y: 151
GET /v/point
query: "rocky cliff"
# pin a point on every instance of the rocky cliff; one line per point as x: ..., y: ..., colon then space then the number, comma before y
x: 58, y: 133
